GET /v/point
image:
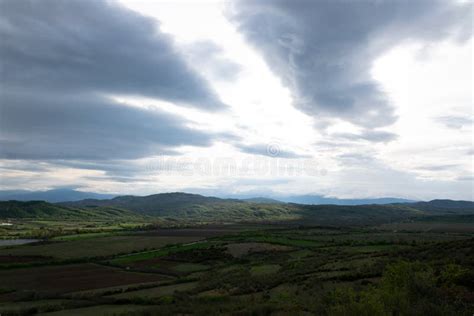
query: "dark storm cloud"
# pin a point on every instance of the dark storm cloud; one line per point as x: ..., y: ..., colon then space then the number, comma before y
x: 35, y: 126
x: 91, y: 46
x: 269, y: 150
x: 60, y: 60
x: 18, y: 165
x: 111, y: 167
x: 323, y: 50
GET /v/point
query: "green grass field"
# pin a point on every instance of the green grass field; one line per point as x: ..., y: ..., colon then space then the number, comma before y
x: 145, y: 255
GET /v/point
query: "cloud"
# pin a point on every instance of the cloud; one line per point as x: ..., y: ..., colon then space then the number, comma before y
x: 61, y: 62
x: 98, y: 47
x: 443, y: 167
x: 465, y: 178
x: 323, y: 50
x: 269, y: 150
x: 368, y: 135
x: 206, y: 57
x: 350, y: 159
x: 38, y: 126
x: 454, y: 121
x: 22, y: 166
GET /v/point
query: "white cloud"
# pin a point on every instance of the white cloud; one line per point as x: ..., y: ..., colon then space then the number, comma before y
x: 427, y: 159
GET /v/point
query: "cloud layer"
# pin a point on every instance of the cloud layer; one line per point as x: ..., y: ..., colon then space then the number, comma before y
x: 60, y: 62
x: 88, y: 127
x: 94, y: 46
x: 323, y: 50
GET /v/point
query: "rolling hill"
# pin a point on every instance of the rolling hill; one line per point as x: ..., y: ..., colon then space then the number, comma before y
x: 444, y: 207
x: 45, y: 210
x: 156, y: 204
x: 198, y: 208
x: 68, y: 195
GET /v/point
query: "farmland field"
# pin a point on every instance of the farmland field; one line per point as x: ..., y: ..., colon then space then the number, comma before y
x: 270, y: 269
x: 95, y: 247
x: 71, y: 278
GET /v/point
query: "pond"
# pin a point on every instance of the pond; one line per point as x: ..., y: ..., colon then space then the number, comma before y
x: 13, y: 242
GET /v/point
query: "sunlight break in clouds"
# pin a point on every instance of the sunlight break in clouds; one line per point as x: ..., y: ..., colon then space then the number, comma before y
x: 381, y: 107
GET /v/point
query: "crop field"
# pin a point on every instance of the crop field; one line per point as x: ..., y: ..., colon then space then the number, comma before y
x: 440, y: 227
x: 239, y: 250
x: 103, y: 310
x: 262, y: 270
x: 71, y: 278
x: 37, y: 228
x: 96, y: 247
x: 156, y: 292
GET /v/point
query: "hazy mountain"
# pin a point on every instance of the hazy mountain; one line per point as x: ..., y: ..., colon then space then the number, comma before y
x: 169, y: 199
x: 56, y: 195
x: 310, y: 199
x: 262, y: 200
x: 318, y: 199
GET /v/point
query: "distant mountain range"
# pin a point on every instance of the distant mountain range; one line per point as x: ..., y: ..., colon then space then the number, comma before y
x: 66, y: 195
x: 318, y: 199
x: 197, y: 208
x: 52, y: 196
x: 167, y: 199
x: 178, y: 201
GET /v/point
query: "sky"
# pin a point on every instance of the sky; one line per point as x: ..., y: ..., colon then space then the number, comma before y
x: 348, y: 99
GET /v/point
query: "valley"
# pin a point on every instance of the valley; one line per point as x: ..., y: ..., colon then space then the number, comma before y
x: 262, y: 259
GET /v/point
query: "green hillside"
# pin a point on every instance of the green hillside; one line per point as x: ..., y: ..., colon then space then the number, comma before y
x: 436, y: 207
x: 355, y: 214
x: 197, y: 208
x: 164, y: 204
x: 183, y: 206
x: 45, y: 210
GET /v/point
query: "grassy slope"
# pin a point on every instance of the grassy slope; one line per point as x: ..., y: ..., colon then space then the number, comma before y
x: 41, y: 209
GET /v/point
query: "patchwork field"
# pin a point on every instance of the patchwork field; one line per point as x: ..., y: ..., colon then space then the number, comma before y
x: 236, y: 270
x: 71, y: 278
x: 96, y: 247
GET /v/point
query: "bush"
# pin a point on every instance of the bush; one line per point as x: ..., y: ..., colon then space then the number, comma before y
x: 406, y: 288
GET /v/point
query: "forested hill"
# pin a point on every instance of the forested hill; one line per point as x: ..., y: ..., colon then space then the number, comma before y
x: 45, y: 210
x: 193, y: 207
x: 444, y: 206
x: 156, y: 204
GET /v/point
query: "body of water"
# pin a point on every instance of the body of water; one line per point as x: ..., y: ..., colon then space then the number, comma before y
x: 13, y: 242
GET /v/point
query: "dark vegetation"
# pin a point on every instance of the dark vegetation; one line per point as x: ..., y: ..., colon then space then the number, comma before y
x: 45, y: 210
x: 192, y: 255
x: 197, y: 208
